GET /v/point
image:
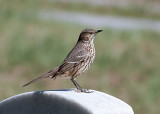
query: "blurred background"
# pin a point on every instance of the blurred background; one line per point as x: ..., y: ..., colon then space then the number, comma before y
x: 36, y: 35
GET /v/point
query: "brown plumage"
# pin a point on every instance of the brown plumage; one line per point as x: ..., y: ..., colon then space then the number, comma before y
x: 77, y: 61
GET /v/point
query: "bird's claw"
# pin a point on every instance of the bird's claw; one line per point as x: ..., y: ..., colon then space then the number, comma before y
x: 83, y: 90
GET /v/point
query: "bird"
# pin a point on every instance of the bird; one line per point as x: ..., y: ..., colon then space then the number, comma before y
x: 77, y: 61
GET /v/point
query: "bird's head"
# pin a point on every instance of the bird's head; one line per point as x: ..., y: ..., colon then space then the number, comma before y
x: 88, y: 34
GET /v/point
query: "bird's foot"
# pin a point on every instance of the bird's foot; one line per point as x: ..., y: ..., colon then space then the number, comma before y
x: 83, y: 90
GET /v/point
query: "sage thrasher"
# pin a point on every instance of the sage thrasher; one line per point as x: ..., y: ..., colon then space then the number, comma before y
x: 78, y: 60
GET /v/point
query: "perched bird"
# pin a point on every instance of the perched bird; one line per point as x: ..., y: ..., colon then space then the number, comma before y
x: 77, y: 61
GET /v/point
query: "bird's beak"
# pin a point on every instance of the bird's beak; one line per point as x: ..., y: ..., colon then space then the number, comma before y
x: 99, y: 31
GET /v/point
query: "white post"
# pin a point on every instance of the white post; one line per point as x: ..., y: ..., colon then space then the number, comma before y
x: 64, y: 102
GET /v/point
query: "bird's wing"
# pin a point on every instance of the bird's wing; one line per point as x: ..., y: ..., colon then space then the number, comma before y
x: 73, y: 59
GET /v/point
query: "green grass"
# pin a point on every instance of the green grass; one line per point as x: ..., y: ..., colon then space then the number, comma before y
x: 26, y: 7
x: 126, y: 66
x: 131, y: 11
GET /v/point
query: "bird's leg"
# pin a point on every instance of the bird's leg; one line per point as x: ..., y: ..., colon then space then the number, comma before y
x: 76, y: 84
x: 79, y: 87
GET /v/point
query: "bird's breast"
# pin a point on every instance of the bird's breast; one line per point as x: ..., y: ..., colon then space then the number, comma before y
x: 91, y: 50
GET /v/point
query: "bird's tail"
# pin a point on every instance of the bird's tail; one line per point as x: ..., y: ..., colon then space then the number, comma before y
x: 51, y: 73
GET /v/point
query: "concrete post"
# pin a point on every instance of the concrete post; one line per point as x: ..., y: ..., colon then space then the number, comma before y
x: 64, y: 102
